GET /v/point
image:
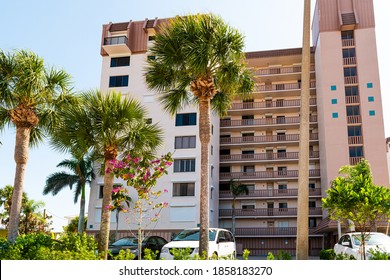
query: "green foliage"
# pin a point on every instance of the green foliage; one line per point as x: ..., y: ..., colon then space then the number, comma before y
x: 181, y: 254
x: 150, y: 255
x: 281, y: 255
x: 377, y: 254
x: 73, y: 225
x: 124, y: 255
x: 245, y: 254
x: 43, y: 247
x: 327, y: 254
x: 343, y: 256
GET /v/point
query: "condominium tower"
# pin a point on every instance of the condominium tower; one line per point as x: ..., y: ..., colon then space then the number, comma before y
x: 257, y: 143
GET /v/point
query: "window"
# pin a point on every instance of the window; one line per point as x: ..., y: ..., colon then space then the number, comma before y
x: 246, y: 154
x: 312, y: 222
x: 312, y: 185
x: 184, y: 165
x: 186, y: 119
x: 335, y: 115
x: 151, y: 38
x: 351, y: 91
x: 248, y: 207
x: 151, y: 57
x: 333, y: 88
x: 371, y: 99
x: 185, y: 142
x: 248, y: 137
x: 119, y: 81
x: 120, y: 61
x: 224, y: 169
x: 350, y: 72
x: 356, y: 151
x: 281, y: 136
x: 371, y: 112
x: 282, y: 171
x: 353, y: 110
x: 355, y: 130
x: 282, y: 153
x: 312, y: 204
x: 249, y: 168
x: 247, y: 120
x: 224, y: 152
x: 101, y: 187
x: 347, y: 34
x: 349, y: 53
x: 282, y: 188
x: 184, y: 189
x: 370, y: 85
x: 334, y: 101
x: 280, y: 119
x: 282, y: 205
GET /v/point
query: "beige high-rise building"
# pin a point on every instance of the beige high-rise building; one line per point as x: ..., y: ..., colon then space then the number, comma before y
x: 257, y: 143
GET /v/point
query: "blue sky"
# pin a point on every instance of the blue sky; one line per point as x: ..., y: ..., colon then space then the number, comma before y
x: 67, y: 35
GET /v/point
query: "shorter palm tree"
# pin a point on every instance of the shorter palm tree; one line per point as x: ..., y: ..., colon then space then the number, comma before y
x: 237, y: 189
x: 82, y: 174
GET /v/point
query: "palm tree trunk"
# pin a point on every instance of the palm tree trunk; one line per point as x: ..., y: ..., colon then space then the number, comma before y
x: 302, y: 246
x: 21, y: 158
x: 106, y: 213
x: 204, y: 135
x: 234, y: 216
x: 80, y: 227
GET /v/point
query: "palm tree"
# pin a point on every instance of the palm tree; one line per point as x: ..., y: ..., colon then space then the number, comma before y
x: 302, y: 246
x: 107, y: 124
x: 82, y: 174
x: 236, y: 189
x: 30, y: 95
x: 31, y: 219
x: 199, y: 59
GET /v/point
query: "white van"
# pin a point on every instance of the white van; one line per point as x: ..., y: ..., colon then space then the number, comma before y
x: 221, y: 243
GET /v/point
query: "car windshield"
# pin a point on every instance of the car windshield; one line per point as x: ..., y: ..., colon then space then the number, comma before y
x: 126, y: 242
x: 193, y: 235
x: 373, y: 239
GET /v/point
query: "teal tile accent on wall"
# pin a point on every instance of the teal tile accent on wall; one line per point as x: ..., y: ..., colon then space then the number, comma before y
x: 335, y: 115
x: 371, y: 99
x: 334, y: 101
x: 370, y: 85
x: 333, y: 87
x: 371, y: 112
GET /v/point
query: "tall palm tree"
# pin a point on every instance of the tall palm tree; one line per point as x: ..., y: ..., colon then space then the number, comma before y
x: 30, y: 95
x: 107, y: 124
x: 30, y: 216
x: 236, y: 189
x: 82, y: 174
x: 199, y: 59
x: 302, y: 246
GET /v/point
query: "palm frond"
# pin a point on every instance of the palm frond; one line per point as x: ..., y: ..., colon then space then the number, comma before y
x: 58, y: 181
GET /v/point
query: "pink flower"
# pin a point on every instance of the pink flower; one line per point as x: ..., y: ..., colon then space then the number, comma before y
x: 135, y: 160
x: 165, y: 190
x: 168, y: 163
x: 128, y: 157
x: 108, y: 207
x: 165, y: 204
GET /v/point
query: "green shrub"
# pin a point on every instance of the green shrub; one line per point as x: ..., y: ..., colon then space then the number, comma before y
x: 327, y: 254
x: 344, y: 256
x: 281, y: 255
x: 378, y: 254
x: 245, y: 254
x: 150, y: 255
x: 181, y: 254
x: 124, y: 255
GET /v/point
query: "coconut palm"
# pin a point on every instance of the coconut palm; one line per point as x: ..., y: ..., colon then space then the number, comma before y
x: 107, y: 124
x: 236, y: 189
x: 302, y: 246
x: 30, y: 95
x: 82, y: 174
x: 199, y: 59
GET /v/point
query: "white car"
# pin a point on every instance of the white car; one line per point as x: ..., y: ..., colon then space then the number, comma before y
x: 351, y: 244
x: 221, y: 243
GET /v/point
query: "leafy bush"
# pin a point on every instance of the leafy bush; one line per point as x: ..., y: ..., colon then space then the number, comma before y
x: 150, y: 255
x: 344, y: 256
x: 327, y: 254
x: 245, y: 254
x: 124, y: 255
x: 281, y: 255
x: 378, y: 254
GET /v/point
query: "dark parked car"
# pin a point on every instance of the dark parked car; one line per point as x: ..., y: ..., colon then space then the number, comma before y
x: 154, y: 243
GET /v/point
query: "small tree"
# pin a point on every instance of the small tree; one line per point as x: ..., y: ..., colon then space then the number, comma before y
x: 142, y: 175
x: 236, y: 188
x: 120, y: 199
x: 354, y: 197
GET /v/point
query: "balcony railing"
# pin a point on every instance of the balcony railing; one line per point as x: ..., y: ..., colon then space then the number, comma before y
x: 265, y: 139
x: 348, y: 42
x: 265, y: 156
x: 352, y: 99
x: 279, y: 87
x: 259, y: 175
x: 354, y: 160
x: 264, y: 121
x: 270, y: 193
x: 280, y: 70
x: 354, y: 119
x: 270, y: 104
x: 268, y: 231
x: 349, y: 60
x: 354, y: 140
x: 350, y: 80
x: 266, y: 212
x: 115, y: 40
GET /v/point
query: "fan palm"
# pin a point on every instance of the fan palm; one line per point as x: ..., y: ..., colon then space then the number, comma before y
x: 302, y: 245
x: 199, y: 59
x: 30, y: 95
x: 82, y: 174
x: 107, y: 124
x: 236, y: 189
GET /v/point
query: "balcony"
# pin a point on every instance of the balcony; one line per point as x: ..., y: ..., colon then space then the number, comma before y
x: 349, y: 60
x: 265, y: 157
x: 116, y: 45
x: 272, y: 193
x: 354, y: 160
x: 351, y: 80
x: 266, y: 175
x: 267, y: 231
x: 247, y: 106
x: 264, y: 122
x: 354, y: 119
x: 348, y: 42
x: 286, y: 70
x: 355, y: 99
x: 267, y: 212
x: 265, y: 139
x: 355, y: 140
x: 281, y: 87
